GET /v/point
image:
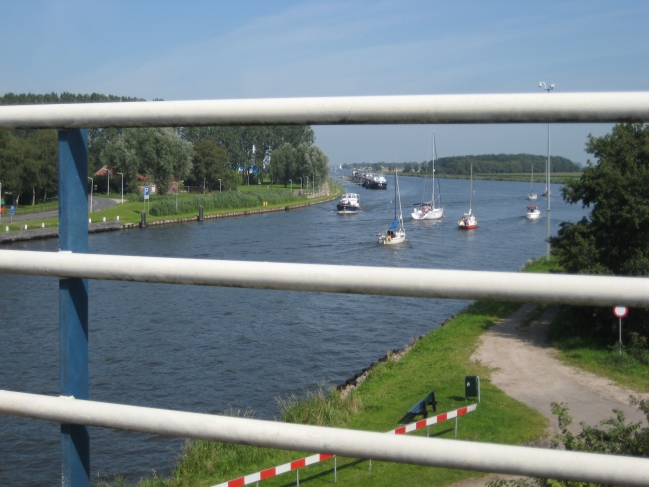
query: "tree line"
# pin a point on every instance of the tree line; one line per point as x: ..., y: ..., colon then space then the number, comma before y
x: 224, y: 157
x: 483, y: 164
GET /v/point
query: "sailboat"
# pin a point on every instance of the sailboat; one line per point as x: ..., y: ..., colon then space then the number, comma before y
x: 469, y: 221
x: 428, y: 210
x: 532, y: 195
x: 396, y: 233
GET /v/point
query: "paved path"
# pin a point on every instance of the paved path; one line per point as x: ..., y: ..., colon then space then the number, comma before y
x: 98, y: 203
x: 526, y: 368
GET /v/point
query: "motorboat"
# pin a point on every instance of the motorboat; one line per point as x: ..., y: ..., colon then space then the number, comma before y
x: 428, y: 210
x: 533, y: 212
x: 396, y: 233
x: 468, y: 220
x: 349, y: 203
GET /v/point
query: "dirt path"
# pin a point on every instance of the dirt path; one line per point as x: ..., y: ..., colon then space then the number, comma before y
x: 526, y: 368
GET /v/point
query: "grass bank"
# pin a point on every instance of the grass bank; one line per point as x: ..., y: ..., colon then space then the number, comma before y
x: 250, y: 198
x: 583, y: 350
x: 439, y: 360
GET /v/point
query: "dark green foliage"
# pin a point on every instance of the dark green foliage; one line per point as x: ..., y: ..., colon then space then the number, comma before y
x: 614, y: 238
x: 211, y: 164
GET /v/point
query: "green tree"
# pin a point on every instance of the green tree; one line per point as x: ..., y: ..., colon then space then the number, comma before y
x: 407, y: 167
x: 614, y: 238
x: 284, y: 162
x: 211, y: 164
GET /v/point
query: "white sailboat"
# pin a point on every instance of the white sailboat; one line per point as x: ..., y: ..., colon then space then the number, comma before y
x: 396, y: 233
x: 469, y: 221
x: 532, y: 195
x: 428, y: 210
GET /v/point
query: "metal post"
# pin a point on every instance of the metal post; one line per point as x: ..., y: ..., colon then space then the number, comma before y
x: 73, y: 301
x: 620, y: 337
x: 335, y: 469
x: 297, y: 476
x: 427, y: 431
x: 92, y: 185
x: 547, y: 179
x: 456, y: 427
x: 122, y: 186
x: 370, y: 469
x: 219, y: 185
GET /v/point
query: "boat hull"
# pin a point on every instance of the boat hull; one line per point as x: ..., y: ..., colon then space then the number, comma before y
x: 467, y: 227
x: 432, y: 214
x: 388, y: 240
x: 343, y: 209
x: 533, y: 216
x: 532, y: 196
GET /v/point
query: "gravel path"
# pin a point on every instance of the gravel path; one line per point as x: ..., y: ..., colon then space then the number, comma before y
x: 526, y: 368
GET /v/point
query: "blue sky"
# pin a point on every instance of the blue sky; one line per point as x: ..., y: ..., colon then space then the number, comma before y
x: 239, y: 49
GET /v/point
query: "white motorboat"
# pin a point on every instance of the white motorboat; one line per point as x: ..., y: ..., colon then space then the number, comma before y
x: 349, y: 203
x: 428, y: 210
x: 533, y: 212
x: 469, y: 221
x: 396, y: 233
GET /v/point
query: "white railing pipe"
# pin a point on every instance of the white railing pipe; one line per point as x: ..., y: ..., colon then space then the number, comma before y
x: 424, y: 283
x: 609, y: 107
x: 486, y: 457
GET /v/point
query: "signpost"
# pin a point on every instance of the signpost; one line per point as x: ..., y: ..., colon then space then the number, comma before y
x: 620, y: 312
x: 146, y: 196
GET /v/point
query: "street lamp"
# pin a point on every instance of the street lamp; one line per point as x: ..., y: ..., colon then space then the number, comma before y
x: 219, y: 185
x: 92, y: 184
x: 291, y: 181
x: 108, y: 184
x: 547, y: 178
x: 300, y: 185
x: 177, y: 191
x: 122, y: 186
x: 204, y: 179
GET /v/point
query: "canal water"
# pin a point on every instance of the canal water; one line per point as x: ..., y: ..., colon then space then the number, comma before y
x: 214, y: 349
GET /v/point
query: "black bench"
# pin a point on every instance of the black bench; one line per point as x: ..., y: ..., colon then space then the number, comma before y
x: 420, y: 408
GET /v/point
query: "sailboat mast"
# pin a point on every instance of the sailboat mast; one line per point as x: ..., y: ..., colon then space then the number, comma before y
x: 471, y: 190
x: 433, y: 166
x: 395, y: 190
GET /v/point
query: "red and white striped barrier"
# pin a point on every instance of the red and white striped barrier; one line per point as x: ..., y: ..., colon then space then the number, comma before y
x: 303, y: 462
x: 434, y: 420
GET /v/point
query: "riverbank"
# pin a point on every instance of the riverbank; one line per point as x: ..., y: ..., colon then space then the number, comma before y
x: 390, y: 387
x: 557, y: 178
x: 124, y: 217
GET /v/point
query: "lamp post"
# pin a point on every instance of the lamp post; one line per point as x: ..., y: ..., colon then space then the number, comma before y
x: 177, y: 191
x: 122, y: 186
x: 204, y: 179
x: 547, y: 178
x: 92, y: 184
x: 108, y: 183
x: 219, y: 185
x: 300, y: 185
x: 291, y: 181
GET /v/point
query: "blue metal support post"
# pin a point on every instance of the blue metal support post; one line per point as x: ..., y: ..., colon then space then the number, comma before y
x: 73, y: 301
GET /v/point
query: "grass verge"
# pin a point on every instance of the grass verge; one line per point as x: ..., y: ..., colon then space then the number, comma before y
x: 437, y: 361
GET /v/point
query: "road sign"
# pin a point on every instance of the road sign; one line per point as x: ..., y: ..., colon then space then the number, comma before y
x: 12, y: 210
x: 620, y: 311
x: 146, y: 192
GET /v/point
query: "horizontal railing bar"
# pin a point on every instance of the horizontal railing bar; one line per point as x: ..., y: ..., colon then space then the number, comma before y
x: 389, y: 281
x: 611, y: 107
x: 485, y: 457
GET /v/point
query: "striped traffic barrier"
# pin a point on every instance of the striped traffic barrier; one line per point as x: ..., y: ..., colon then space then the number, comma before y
x: 303, y: 462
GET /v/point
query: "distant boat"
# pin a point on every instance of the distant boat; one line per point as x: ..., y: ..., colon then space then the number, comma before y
x: 469, y: 221
x: 428, y: 210
x: 349, y: 203
x: 533, y: 213
x: 396, y: 233
x: 532, y: 195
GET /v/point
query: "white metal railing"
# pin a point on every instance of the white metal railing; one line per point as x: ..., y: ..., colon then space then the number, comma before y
x: 425, y: 283
x: 488, y: 108
x: 487, y: 457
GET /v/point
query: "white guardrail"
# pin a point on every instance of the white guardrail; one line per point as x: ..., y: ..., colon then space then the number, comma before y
x: 423, y: 283
x: 434, y: 452
x: 481, y: 108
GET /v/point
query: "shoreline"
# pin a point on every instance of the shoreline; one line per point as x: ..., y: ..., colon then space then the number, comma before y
x: 100, y: 227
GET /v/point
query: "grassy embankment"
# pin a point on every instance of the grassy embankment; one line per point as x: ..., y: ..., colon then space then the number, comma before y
x: 585, y: 351
x: 438, y: 361
x: 249, y: 198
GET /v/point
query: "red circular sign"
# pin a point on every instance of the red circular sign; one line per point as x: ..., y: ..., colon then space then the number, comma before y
x: 620, y: 311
